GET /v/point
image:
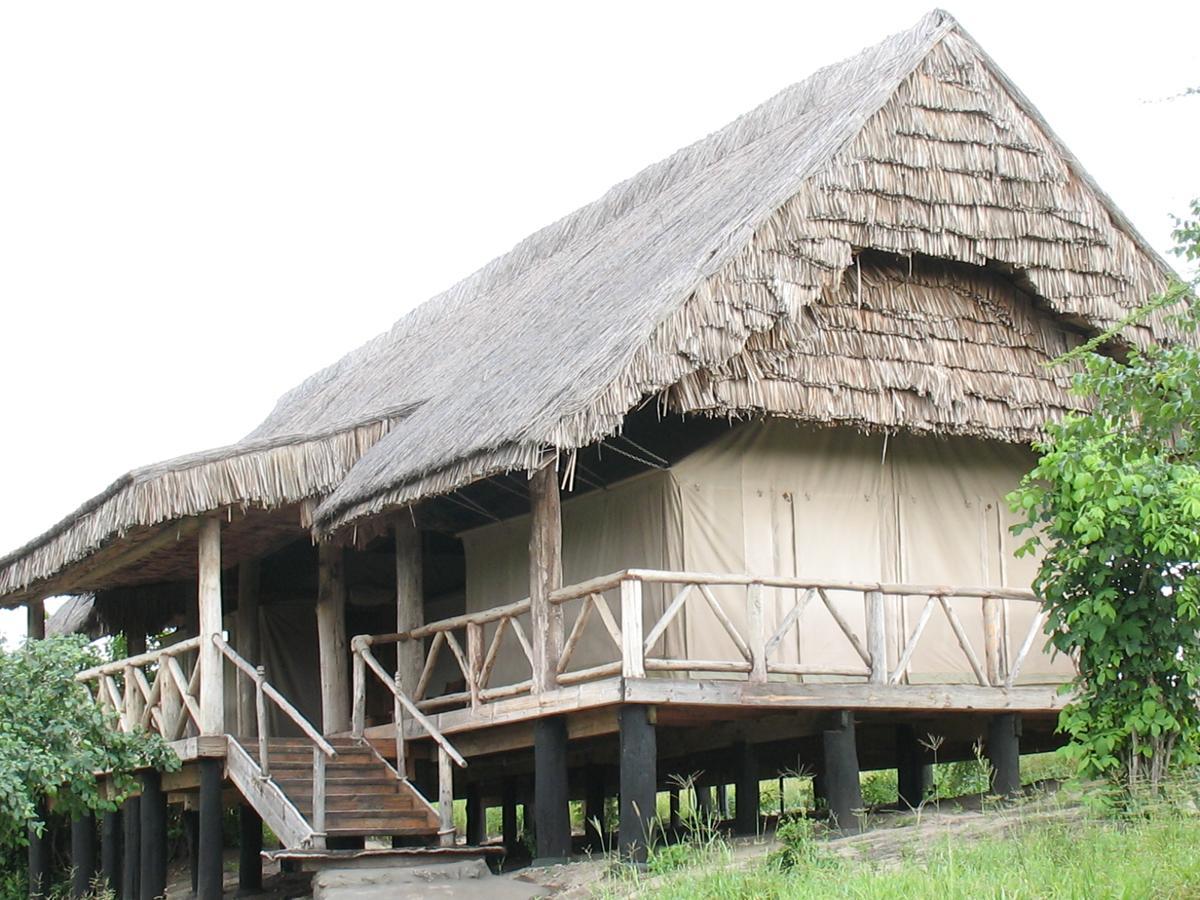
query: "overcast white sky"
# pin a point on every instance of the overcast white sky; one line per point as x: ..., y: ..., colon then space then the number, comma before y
x: 200, y: 204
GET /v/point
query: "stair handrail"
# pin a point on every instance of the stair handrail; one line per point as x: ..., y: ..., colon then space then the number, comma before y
x: 264, y: 690
x: 364, y: 659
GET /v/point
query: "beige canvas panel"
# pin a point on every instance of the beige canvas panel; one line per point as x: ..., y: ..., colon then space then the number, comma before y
x: 626, y: 525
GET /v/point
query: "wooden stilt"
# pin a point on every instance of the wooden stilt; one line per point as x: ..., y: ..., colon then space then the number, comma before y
x: 111, y: 834
x: 545, y: 575
x: 746, y: 821
x: 131, y: 845
x: 911, y: 770
x: 250, y: 828
x: 191, y: 834
x: 83, y: 854
x: 212, y: 664
x: 551, y: 811
x: 248, y: 644
x: 675, y: 822
x: 595, y: 824
x: 1004, y: 753
x: 704, y: 803
x: 410, y: 599
x: 509, y: 816
x: 35, y: 620
x: 210, y: 864
x: 39, y: 858
x: 841, y: 777
x: 331, y: 636
x: 722, y: 792
x: 639, y: 782
x: 153, y: 808
x: 476, y: 814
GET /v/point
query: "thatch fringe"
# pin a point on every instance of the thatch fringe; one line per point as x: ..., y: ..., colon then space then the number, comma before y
x: 254, y: 474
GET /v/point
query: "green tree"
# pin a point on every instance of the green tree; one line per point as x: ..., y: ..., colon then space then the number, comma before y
x: 54, y: 738
x: 1114, y: 505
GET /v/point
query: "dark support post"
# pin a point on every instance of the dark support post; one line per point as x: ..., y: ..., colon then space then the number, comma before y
x: 675, y: 821
x: 131, y: 845
x: 250, y: 876
x: 1004, y: 753
x: 912, y: 775
x: 841, y: 783
x: 476, y: 814
x: 83, y: 854
x: 191, y: 834
x: 820, y: 797
x: 110, y: 850
x: 154, y: 836
x: 595, y: 824
x: 704, y: 803
x: 639, y: 781
x: 508, y: 816
x: 722, y: 791
x: 209, y: 864
x: 747, y: 789
x: 39, y: 857
x: 551, y: 812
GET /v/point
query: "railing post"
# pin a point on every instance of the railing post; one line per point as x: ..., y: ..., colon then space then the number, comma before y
x: 993, y: 659
x: 633, y: 660
x: 445, y: 799
x: 758, y: 633
x: 359, y: 717
x: 876, y: 637
x: 260, y: 710
x: 318, y: 791
x: 398, y: 718
x: 474, y: 661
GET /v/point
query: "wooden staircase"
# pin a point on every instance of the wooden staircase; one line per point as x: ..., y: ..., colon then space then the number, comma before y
x: 363, y: 795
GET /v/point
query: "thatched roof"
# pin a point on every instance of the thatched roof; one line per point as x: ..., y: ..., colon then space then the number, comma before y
x: 918, y: 145
x: 717, y: 281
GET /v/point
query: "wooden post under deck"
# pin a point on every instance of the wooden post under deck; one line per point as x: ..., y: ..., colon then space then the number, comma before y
x: 410, y: 599
x: 331, y: 636
x: 248, y: 643
x: 35, y: 620
x: 545, y: 575
x: 212, y: 668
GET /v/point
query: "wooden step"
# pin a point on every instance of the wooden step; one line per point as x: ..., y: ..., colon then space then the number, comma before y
x: 388, y: 804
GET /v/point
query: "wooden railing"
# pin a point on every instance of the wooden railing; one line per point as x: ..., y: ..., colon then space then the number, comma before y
x: 263, y: 691
x: 158, y: 691
x: 757, y: 645
x: 402, y: 704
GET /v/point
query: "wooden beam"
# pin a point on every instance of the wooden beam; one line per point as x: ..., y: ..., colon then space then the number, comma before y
x: 212, y: 669
x: 333, y: 649
x: 545, y: 575
x: 410, y: 601
x: 247, y: 643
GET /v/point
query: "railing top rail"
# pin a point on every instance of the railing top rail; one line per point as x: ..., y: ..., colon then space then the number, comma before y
x: 269, y: 690
x: 142, y: 659
x: 882, y: 587
x: 455, y: 622
x: 414, y: 711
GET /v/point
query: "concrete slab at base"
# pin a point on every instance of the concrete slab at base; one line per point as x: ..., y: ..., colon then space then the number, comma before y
x: 442, y: 878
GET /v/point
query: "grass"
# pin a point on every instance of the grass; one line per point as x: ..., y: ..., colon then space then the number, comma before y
x: 1083, y: 850
x: 1159, y: 857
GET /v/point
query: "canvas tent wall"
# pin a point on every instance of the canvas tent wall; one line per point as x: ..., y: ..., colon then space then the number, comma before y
x: 777, y: 498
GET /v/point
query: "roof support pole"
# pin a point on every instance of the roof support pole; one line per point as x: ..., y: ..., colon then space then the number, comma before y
x: 35, y: 620
x: 212, y: 670
x: 331, y: 635
x: 545, y: 575
x: 248, y: 643
x: 410, y: 601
